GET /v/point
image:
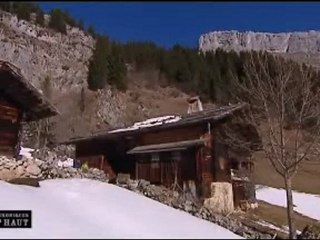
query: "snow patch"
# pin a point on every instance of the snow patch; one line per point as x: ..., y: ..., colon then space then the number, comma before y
x: 305, y: 203
x: 267, y: 224
x: 83, y: 208
x: 66, y: 163
x: 283, y: 229
x: 26, y: 152
x: 150, y: 123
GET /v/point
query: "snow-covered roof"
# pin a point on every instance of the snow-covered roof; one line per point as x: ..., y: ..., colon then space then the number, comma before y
x: 170, y: 121
x: 149, y: 123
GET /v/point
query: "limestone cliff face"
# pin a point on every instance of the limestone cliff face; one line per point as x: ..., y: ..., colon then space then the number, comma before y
x: 42, y: 53
x: 291, y: 42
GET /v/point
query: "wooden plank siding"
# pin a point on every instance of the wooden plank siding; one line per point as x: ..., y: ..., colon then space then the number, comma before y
x: 157, y: 172
x: 10, y: 124
x: 173, y: 135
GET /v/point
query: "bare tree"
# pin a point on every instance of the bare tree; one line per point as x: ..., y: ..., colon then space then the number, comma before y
x: 284, y: 105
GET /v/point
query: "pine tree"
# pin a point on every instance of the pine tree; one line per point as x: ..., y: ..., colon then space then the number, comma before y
x: 68, y: 19
x: 98, y: 65
x: 91, y: 31
x: 40, y: 18
x: 23, y: 11
x: 5, y: 6
x: 116, y: 69
x: 80, y: 24
x: 57, y: 21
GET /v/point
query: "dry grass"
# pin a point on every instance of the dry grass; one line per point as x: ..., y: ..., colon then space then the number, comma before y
x: 307, y: 179
x: 278, y: 216
x: 144, y: 98
x: 71, y: 122
x: 275, y: 215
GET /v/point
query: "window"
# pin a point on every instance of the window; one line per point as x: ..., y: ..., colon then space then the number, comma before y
x: 176, y: 156
x: 155, y: 157
x: 155, y: 161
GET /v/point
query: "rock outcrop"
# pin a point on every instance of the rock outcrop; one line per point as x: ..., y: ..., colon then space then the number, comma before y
x: 291, y: 42
x: 42, y: 53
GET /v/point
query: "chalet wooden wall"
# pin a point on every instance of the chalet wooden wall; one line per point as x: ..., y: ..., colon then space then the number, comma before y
x: 10, y: 121
x: 114, y: 153
x: 172, y: 135
x: 221, y: 163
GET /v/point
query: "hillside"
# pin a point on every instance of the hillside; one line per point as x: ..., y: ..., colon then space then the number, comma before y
x: 42, y: 53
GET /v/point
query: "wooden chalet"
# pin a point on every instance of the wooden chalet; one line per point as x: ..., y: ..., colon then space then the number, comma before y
x: 19, y: 101
x: 161, y: 150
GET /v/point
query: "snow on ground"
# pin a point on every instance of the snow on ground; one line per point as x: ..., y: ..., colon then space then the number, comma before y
x: 306, y: 204
x: 26, y: 152
x: 267, y: 224
x: 283, y: 229
x: 149, y: 123
x: 83, y: 208
x: 66, y: 163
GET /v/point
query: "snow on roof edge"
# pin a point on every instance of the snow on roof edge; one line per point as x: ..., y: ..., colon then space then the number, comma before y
x: 149, y: 123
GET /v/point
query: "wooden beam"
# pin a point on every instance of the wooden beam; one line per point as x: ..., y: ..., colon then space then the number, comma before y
x: 17, y: 146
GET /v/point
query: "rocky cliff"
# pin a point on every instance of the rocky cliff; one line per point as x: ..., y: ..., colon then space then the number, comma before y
x: 42, y: 53
x: 291, y: 42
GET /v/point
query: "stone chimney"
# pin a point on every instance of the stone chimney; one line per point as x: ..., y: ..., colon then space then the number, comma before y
x: 195, y: 105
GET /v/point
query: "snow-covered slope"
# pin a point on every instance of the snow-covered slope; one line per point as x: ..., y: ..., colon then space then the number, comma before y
x: 82, y: 208
x: 306, y: 204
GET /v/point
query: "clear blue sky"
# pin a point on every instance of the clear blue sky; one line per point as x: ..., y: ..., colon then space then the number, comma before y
x: 167, y: 23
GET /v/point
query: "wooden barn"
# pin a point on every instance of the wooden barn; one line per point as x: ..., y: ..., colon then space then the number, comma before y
x: 19, y: 101
x: 173, y: 149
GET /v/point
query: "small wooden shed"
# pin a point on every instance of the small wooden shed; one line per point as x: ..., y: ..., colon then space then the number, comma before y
x: 19, y: 101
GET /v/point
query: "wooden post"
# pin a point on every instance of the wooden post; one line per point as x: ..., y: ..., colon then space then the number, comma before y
x: 101, y: 162
x: 17, y: 147
x: 137, y: 172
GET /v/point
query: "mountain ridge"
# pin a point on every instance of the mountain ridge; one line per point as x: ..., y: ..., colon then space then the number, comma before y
x: 282, y: 42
